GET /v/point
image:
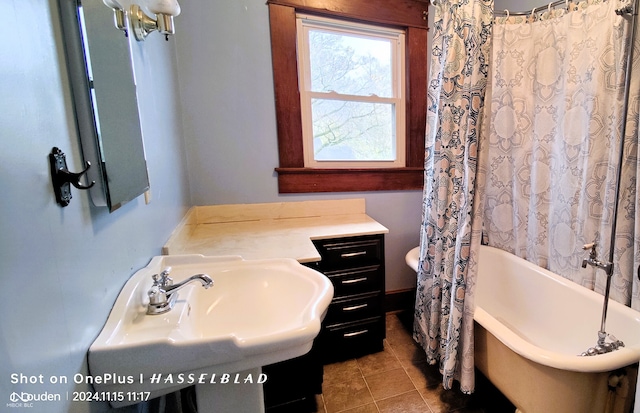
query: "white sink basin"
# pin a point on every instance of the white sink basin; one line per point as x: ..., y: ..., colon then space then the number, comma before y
x: 258, y: 312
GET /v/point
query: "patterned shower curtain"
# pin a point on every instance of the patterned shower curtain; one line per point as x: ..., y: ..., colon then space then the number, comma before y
x: 451, y: 227
x: 555, y: 111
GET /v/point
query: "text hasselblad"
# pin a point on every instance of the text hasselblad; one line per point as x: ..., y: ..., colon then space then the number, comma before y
x: 159, y: 378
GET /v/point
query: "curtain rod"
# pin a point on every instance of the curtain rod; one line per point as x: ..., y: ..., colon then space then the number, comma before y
x: 629, y: 9
x: 535, y: 10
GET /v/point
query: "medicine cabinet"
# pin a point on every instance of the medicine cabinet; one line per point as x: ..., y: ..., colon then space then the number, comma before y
x: 103, y: 88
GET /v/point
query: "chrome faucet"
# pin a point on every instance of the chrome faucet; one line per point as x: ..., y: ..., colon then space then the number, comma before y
x: 594, y: 261
x: 163, y: 293
x: 602, y: 346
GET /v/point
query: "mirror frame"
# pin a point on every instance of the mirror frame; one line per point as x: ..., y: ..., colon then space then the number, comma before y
x: 103, y: 89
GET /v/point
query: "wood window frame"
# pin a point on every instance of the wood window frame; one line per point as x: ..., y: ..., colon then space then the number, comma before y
x: 293, y: 176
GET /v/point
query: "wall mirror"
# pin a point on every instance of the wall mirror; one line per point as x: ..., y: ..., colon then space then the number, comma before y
x: 104, y: 94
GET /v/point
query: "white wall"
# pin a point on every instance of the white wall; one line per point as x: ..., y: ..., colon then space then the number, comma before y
x: 224, y: 61
x: 61, y: 268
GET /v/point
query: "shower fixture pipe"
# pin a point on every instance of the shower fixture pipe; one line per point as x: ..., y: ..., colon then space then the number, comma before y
x: 627, y: 86
x: 633, y: 11
x: 602, y: 346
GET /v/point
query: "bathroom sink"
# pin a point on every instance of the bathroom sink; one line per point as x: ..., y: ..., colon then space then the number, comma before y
x: 257, y: 312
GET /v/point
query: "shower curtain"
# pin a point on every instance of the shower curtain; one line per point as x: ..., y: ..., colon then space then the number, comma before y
x: 555, y: 112
x: 451, y: 228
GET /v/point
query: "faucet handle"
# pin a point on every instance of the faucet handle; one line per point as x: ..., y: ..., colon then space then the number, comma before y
x: 592, y: 246
x: 158, y: 297
x: 164, y: 276
x: 162, y: 280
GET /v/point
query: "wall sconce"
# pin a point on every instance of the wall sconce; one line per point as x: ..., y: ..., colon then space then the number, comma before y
x: 164, y: 10
x: 118, y: 14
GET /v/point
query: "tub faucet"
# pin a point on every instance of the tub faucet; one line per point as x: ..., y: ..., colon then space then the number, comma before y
x: 163, y: 293
x: 594, y: 261
x: 602, y: 346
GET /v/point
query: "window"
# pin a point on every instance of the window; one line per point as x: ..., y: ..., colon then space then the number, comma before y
x: 351, y: 80
x: 322, y: 149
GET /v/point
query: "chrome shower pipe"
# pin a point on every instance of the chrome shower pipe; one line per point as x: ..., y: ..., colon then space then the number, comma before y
x: 633, y: 12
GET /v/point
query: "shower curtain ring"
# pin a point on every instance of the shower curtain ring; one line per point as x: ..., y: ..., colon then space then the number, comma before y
x: 507, y: 12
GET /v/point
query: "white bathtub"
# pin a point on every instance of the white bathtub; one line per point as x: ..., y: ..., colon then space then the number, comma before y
x: 531, y: 326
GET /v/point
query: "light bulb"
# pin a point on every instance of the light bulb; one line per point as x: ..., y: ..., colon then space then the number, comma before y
x: 166, y: 7
x: 113, y: 4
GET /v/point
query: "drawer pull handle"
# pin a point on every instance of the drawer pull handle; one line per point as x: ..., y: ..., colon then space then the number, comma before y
x: 353, y: 254
x: 355, y: 307
x: 354, y: 281
x: 355, y: 333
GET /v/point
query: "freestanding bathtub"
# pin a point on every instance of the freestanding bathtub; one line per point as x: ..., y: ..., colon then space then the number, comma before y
x: 531, y: 326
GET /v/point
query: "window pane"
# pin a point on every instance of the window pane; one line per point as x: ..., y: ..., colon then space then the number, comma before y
x: 353, y: 131
x: 348, y: 64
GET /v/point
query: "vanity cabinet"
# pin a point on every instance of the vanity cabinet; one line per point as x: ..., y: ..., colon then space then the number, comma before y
x: 292, y: 385
x: 354, y: 324
x: 355, y: 321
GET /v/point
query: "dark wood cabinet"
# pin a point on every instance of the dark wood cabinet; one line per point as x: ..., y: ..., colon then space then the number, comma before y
x: 355, y: 322
x: 353, y: 326
x: 292, y: 385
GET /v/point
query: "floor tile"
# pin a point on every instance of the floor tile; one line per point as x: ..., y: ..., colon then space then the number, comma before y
x: 346, y: 395
x: 399, y: 380
x: 424, y: 375
x: 389, y: 383
x: 398, y: 334
x: 379, y: 362
x: 410, y: 402
x: 409, y: 354
x: 367, y: 408
x: 340, y: 372
x: 444, y: 401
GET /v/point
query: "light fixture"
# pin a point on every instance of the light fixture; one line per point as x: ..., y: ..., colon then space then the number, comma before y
x: 164, y: 10
x: 118, y: 14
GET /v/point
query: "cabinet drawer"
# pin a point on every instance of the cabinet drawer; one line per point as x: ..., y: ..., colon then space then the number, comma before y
x: 352, y: 340
x: 353, y: 309
x: 350, y: 252
x: 355, y: 281
x: 355, y: 322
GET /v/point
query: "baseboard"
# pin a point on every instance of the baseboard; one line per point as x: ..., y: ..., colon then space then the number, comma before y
x: 400, y: 300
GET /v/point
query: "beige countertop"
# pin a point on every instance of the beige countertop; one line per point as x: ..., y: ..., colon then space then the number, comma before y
x: 271, y: 230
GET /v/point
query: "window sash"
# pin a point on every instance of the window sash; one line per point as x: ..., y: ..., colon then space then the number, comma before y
x: 396, y: 37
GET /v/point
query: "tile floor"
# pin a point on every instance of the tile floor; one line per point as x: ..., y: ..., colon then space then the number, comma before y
x: 398, y: 380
